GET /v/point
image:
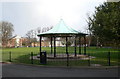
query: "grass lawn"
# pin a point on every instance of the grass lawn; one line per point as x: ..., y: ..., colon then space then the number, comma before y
x: 22, y: 55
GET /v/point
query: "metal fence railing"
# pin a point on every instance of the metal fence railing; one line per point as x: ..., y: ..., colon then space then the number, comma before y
x: 91, y: 59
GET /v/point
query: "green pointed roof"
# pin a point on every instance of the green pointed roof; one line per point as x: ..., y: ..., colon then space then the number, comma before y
x: 60, y: 29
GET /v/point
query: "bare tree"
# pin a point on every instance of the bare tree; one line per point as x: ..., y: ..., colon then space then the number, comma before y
x: 39, y: 30
x: 45, y: 29
x: 6, y: 30
x: 69, y: 42
x: 31, y: 36
x: 89, y: 22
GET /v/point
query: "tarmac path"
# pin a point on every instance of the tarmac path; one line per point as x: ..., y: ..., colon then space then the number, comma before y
x: 21, y: 70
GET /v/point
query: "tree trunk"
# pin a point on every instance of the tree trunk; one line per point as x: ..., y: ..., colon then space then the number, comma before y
x: 89, y: 41
x: 97, y: 42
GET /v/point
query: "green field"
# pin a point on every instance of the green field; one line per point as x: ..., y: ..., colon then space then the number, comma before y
x: 22, y: 55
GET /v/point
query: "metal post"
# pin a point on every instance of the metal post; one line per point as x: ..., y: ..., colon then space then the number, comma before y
x: 89, y: 59
x: 31, y: 57
x: 54, y: 47
x: 40, y: 45
x: 84, y: 45
x: 109, y: 59
x: 79, y: 45
x: 66, y: 46
x: 67, y: 52
x: 75, y: 47
x: 10, y: 56
x: 67, y: 60
x: 51, y: 46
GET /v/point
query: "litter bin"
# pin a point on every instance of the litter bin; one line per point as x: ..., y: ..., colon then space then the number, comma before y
x: 43, y: 57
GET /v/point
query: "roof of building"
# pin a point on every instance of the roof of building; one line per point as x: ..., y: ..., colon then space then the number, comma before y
x: 61, y: 29
x: 15, y: 37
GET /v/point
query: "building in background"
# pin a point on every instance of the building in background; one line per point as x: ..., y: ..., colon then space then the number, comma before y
x: 18, y: 41
x: 15, y: 41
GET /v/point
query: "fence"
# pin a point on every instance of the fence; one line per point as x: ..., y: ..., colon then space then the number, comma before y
x: 91, y: 59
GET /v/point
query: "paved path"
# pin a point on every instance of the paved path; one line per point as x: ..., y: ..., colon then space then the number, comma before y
x: 19, y: 70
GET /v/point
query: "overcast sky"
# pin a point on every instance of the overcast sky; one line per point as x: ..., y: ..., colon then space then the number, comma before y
x: 45, y: 13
